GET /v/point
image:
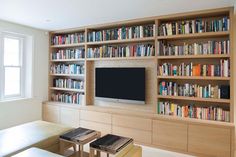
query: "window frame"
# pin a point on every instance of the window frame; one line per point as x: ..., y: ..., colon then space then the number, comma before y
x: 21, y: 66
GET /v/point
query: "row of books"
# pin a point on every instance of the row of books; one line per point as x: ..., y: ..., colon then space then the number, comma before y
x: 68, y: 54
x: 67, y: 69
x: 68, y: 39
x: 190, y: 90
x: 210, y: 47
x: 122, y: 33
x: 74, y: 98
x: 121, y: 51
x: 68, y: 83
x: 222, y: 70
x: 194, y: 26
x: 191, y: 111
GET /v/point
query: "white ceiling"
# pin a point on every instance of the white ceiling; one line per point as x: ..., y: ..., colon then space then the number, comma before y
x: 62, y: 14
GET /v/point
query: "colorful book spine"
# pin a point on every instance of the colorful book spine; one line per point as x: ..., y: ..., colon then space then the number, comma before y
x: 194, y: 26
x: 67, y: 69
x: 68, y: 83
x: 67, y: 39
x: 220, y: 70
x: 121, y: 51
x: 68, y: 54
x: 192, y: 111
x: 210, y: 47
x: 73, y: 98
x: 122, y: 33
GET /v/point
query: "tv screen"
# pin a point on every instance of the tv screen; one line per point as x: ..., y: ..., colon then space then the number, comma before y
x: 120, y: 84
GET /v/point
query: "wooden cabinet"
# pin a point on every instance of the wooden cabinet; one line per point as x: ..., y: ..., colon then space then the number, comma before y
x: 69, y: 116
x: 137, y: 128
x: 95, y: 116
x: 170, y: 134
x: 209, y: 141
x: 51, y: 113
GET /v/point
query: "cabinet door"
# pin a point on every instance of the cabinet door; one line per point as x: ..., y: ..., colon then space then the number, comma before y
x: 209, y: 141
x: 170, y: 134
x: 69, y: 116
x: 95, y: 116
x: 51, y: 113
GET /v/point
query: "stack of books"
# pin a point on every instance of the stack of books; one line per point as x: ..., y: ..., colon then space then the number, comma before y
x: 67, y: 69
x: 221, y: 70
x: 121, y: 51
x: 63, y: 97
x: 68, y: 83
x: 192, y: 111
x: 122, y: 33
x: 68, y: 54
x: 189, y: 90
x: 194, y: 26
x: 67, y: 39
x: 210, y: 47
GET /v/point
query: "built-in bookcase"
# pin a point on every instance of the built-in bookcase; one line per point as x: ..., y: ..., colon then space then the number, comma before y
x: 194, y: 66
x: 192, y: 54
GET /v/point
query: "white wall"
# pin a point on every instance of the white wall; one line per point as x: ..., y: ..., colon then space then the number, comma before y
x: 21, y: 111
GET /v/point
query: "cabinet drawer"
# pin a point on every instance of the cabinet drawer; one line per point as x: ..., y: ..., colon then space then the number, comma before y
x: 69, y: 116
x: 95, y: 116
x: 51, y: 113
x: 138, y: 135
x: 103, y: 128
x: 209, y: 141
x: 132, y: 122
x: 170, y: 134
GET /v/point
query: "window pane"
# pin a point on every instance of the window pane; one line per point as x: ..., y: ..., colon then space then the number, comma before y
x: 12, y: 81
x: 11, y: 51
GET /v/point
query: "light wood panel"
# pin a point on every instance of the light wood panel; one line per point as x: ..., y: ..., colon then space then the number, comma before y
x: 69, y: 116
x: 209, y: 141
x: 170, y: 134
x: 51, y: 113
x: 139, y: 136
x: 103, y: 128
x: 132, y: 122
x: 95, y: 116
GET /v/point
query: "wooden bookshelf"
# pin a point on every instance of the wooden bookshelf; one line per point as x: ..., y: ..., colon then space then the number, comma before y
x: 210, y: 56
x: 67, y: 89
x: 160, y: 125
x: 227, y: 101
x: 195, y: 35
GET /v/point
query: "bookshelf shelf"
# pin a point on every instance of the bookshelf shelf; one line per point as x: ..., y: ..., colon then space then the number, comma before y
x: 227, y: 101
x: 212, y: 56
x: 68, y: 75
x: 195, y: 78
x: 68, y: 45
x: 195, y: 35
x: 122, y: 41
x: 68, y: 60
x: 67, y: 89
x: 122, y: 58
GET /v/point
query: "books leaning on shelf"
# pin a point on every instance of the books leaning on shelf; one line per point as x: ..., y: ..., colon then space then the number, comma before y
x: 62, y: 39
x: 64, y: 97
x: 192, y: 111
x: 191, y: 90
x: 122, y: 33
x: 121, y: 51
x: 68, y: 83
x: 68, y: 54
x: 194, y: 26
x: 204, y: 48
x: 221, y: 70
x: 67, y: 69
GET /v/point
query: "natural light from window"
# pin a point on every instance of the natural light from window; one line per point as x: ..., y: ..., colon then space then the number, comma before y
x: 12, y: 66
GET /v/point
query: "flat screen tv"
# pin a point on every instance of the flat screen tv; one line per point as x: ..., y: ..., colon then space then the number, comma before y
x: 120, y: 84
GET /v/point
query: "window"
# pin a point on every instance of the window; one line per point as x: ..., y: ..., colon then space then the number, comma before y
x: 13, y: 73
